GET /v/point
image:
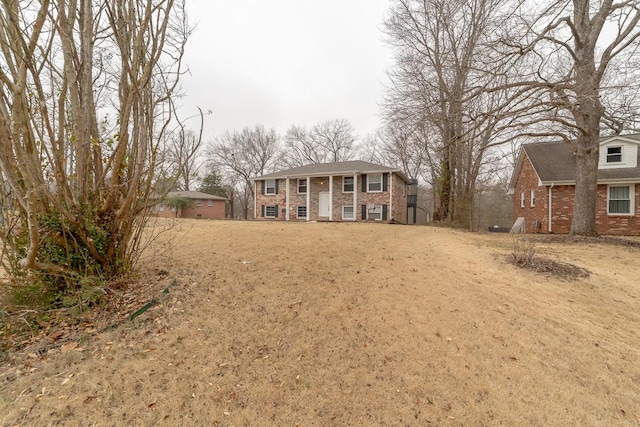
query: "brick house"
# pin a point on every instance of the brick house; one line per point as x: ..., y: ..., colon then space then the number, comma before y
x: 204, y: 206
x: 543, y: 184
x: 340, y: 191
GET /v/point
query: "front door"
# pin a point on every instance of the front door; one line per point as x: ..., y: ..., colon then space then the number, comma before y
x: 323, y: 205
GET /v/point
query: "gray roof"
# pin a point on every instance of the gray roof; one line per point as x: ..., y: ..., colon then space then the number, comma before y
x: 556, y: 163
x: 193, y: 195
x: 336, y: 168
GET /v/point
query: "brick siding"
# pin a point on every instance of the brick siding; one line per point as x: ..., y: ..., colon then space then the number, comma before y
x: 562, y: 200
x: 217, y: 211
x: 340, y: 198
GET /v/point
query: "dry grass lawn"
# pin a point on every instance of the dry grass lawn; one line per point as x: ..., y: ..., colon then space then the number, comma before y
x: 272, y: 324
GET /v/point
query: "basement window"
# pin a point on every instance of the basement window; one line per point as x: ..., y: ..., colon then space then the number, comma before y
x: 301, y: 212
x: 347, y: 212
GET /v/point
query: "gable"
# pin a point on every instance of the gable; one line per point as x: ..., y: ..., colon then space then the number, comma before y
x: 555, y: 162
x: 618, y: 153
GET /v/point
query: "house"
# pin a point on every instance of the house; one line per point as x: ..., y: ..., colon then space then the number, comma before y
x: 202, y: 206
x: 340, y: 191
x: 543, y: 184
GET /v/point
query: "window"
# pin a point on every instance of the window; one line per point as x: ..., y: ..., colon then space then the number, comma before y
x: 533, y: 198
x: 614, y: 154
x: 161, y: 207
x: 620, y: 201
x: 347, y: 184
x: 209, y: 202
x: 270, y: 186
x: 522, y: 199
x: 375, y: 183
x: 270, y: 211
x: 374, y: 212
x: 347, y: 212
x: 301, y: 212
x: 302, y: 186
x: 198, y: 203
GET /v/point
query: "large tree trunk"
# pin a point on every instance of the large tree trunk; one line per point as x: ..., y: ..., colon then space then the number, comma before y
x: 586, y: 191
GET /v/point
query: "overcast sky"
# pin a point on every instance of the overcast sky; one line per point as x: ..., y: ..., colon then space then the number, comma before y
x: 283, y: 62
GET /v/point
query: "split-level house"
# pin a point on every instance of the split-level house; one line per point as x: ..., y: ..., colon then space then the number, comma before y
x: 340, y: 191
x: 543, y: 187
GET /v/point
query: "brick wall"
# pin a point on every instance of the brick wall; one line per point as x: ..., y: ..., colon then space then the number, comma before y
x: 562, y: 200
x: 217, y: 211
x: 536, y: 217
x: 340, y: 198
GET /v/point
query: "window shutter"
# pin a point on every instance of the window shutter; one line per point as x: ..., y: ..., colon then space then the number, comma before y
x: 262, y: 188
x: 276, y: 186
x: 384, y: 212
x: 262, y: 208
x: 276, y: 205
x: 364, y: 212
x: 364, y: 184
x: 385, y: 181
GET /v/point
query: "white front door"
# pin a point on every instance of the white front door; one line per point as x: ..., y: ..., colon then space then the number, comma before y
x: 323, y: 205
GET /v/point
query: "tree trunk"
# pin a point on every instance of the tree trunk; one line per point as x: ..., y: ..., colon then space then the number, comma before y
x: 586, y: 191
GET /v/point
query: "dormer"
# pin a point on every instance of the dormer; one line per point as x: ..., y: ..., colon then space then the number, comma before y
x: 618, y: 152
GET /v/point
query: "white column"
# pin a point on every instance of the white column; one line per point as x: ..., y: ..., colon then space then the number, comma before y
x: 330, y: 197
x: 286, y: 201
x: 255, y: 200
x: 308, y: 199
x: 390, y: 210
x: 355, y: 196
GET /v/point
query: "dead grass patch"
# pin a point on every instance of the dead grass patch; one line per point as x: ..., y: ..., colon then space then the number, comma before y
x: 349, y: 324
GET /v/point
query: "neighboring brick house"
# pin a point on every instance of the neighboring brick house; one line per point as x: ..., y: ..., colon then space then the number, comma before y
x: 204, y: 206
x: 543, y: 184
x: 340, y: 191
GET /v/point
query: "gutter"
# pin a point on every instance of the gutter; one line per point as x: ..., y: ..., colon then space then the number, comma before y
x: 550, y: 208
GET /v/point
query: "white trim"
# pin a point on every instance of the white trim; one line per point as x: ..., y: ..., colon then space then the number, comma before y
x: 632, y: 197
x: 353, y: 212
x: 355, y: 197
x: 355, y: 182
x: 287, y: 204
x: 550, y: 208
x: 369, y: 190
x: 255, y: 201
x: 532, y: 197
x: 390, y: 208
x: 266, y: 187
x: 298, y: 212
x: 266, y: 215
x: 330, y: 197
x: 298, y: 181
x: 308, y: 198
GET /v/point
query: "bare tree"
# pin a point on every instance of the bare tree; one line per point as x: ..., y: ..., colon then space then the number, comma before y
x: 241, y: 156
x: 182, y: 158
x: 583, y: 70
x: 330, y: 141
x: 444, y: 49
x: 82, y: 86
